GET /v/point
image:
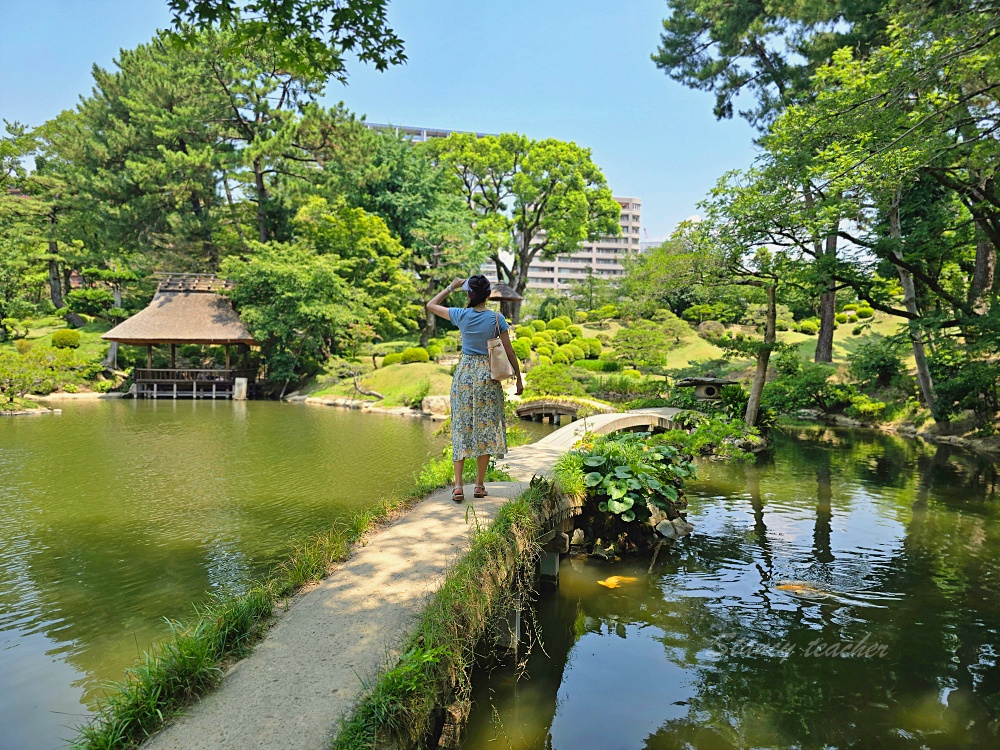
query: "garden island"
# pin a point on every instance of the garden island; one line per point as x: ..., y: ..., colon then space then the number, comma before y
x: 749, y: 496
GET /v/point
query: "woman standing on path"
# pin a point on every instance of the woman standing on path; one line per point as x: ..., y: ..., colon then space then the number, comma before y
x: 478, y: 423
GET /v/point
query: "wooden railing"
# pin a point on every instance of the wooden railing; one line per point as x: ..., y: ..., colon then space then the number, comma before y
x: 188, y: 375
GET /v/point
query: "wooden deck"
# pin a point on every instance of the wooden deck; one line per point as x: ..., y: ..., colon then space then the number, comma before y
x: 188, y: 383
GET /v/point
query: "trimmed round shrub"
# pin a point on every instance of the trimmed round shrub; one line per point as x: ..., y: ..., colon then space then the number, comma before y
x: 433, y: 351
x: 560, y: 358
x: 631, y: 374
x: 557, y: 324
x: 781, y: 325
x: 808, y: 327
x: 599, y: 365
x: 852, y: 318
x: 575, y: 352
x: 392, y: 359
x: 23, y: 346
x: 710, y: 328
x: 414, y: 354
x: 841, y: 317
x: 538, y: 325
x: 581, y: 316
x: 865, y: 312
x: 66, y: 338
x: 595, y: 346
x: 576, y: 331
x: 851, y: 306
x: 563, y: 337
x: 537, y: 341
x: 522, y: 349
x: 545, y: 350
x: 544, y: 359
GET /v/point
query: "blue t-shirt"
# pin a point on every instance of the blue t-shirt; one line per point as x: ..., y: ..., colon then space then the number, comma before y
x: 477, y: 328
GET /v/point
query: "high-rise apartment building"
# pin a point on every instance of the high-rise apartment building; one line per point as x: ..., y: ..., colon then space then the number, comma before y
x: 604, y: 256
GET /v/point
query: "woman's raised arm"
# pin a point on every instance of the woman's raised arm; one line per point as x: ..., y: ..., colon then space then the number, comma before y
x: 435, y: 305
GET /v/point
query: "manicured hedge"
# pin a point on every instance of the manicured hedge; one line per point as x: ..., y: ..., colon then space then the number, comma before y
x: 66, y: 338
x: 415, y: 354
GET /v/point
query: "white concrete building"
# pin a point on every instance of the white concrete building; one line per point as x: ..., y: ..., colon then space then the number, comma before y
x: 604, y: 256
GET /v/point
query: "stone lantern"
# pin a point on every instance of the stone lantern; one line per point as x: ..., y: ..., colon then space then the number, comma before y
x: 705, y: 389
x: 509, y: 301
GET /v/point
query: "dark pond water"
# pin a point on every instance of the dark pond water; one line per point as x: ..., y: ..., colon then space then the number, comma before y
x: 844, y: 595
x: 115, y: 515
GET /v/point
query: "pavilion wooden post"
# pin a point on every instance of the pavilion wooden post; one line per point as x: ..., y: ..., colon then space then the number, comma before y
x: 227, y: 357
x: 173, y: 356
x: 149, y: 356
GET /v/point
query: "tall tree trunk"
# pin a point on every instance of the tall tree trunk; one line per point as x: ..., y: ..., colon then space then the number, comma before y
x: 924, y: 379
x: 111, y: 360
x: 828, y: 302
x: 430, y: 322
x: 763, y: 356
x: 55, y: 284
x: 983, y: 275
x: 258, y: 179
x: 232, y: 212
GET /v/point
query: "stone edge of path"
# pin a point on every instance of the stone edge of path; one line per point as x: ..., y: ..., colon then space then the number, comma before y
x: 311, y: 667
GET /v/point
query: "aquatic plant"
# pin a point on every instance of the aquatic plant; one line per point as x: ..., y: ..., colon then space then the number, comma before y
x: 628, y: 474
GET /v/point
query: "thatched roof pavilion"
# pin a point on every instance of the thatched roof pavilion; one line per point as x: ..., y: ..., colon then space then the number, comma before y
x: 183, y: 318
x: 186, y: 309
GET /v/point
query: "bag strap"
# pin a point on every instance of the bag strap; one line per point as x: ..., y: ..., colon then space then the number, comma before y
x: 497, y: 312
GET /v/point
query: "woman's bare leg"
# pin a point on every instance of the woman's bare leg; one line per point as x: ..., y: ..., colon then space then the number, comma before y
x: 482, y: 463
x: 459, y: 470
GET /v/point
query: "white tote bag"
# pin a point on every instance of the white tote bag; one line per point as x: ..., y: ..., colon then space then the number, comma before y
x: 500, y: 366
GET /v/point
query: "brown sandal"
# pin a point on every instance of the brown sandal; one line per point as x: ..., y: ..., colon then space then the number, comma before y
x: 458, y: 495
x: 480, y: 491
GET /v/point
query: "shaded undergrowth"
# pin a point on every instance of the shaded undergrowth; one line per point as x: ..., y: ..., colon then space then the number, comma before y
x: 404, y: 705
x: 190, y: 660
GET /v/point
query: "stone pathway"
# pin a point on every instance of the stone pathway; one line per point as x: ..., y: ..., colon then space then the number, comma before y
x: 309, y: 670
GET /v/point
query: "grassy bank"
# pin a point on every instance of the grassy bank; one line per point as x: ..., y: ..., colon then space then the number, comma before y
x: 190, y: 661
x: 401, y: 385
x: 403, y: 704
x: 19, y: 404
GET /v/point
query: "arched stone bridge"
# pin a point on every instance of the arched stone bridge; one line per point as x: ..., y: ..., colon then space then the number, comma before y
x: 538, y: 458
x: 555, y: 409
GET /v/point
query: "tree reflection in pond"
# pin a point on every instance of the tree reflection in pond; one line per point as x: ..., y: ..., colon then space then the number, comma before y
x: 874, y: 541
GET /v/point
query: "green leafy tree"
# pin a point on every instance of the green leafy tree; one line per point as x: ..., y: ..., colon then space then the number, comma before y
x: 295, y: 302
x: 640, y: 344
x: 313, y: 37
x: 532, y: 199
x: 400, y: 183
x: 42, y: 368
x: 369, y: 259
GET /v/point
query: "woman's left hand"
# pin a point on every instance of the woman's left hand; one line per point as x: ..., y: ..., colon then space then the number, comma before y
x: 520, y: 387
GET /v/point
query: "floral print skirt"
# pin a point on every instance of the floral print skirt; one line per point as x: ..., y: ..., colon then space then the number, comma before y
x: 478, y: 422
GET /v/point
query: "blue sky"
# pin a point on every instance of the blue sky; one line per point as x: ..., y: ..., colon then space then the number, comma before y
x: 571, y: 69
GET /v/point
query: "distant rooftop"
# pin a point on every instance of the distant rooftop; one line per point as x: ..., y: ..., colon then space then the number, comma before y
x: 418, y: 133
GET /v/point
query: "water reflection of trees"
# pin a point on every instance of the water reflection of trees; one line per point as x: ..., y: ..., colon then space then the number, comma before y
x: 938, y: 685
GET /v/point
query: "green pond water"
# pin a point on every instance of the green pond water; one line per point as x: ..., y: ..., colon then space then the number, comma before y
x: 117, y: 514
x: 889, y: 552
